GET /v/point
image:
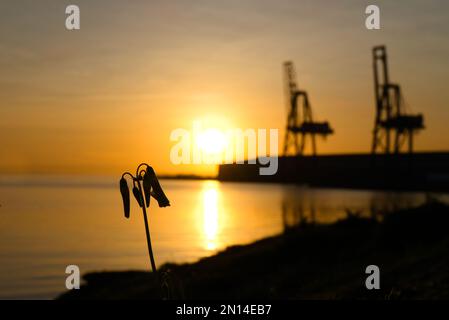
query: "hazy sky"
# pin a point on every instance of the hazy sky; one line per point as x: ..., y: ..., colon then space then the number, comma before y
x: 106, y: 97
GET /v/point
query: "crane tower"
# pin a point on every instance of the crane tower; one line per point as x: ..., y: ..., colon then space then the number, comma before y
x: 300, y: 123
x: 392, y: 127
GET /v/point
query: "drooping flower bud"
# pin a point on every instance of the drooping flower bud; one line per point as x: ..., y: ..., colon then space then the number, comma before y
x: 138, y: 196
x: 147, y: 188
x: 124, y: 190
x: 158, y: 193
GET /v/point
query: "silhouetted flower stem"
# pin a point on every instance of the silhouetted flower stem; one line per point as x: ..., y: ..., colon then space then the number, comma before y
x: 145, y: 186
x: 147, y: 230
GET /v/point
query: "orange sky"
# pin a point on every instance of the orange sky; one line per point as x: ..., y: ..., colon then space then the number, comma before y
x: 106, y: 97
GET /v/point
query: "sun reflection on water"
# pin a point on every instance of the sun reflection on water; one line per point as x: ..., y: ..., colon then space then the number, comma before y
x: 210, y: 196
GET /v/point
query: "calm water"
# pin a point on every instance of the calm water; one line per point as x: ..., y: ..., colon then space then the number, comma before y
x: 49, y: 223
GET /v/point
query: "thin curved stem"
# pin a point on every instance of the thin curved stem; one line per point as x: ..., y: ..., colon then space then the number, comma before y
x: 129, y: 174
x: 138, y: 167
x: 141, y: 173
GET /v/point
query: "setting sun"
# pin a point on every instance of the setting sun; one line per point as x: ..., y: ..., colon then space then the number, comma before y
x: 212, y: 141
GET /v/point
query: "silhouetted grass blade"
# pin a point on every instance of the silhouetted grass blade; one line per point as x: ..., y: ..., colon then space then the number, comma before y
x: 124, y: 190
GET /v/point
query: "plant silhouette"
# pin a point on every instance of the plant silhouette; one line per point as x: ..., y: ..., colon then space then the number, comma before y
x: 145, y: 186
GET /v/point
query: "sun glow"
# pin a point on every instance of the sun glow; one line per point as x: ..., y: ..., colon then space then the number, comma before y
x: 212, y: 141
x: 211, y: 135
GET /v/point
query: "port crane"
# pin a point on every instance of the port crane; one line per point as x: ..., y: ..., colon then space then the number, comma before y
x: 300, y: 123
x: 391, y: 118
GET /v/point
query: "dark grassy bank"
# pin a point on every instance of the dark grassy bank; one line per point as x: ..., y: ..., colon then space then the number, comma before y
x: 309, y: 262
